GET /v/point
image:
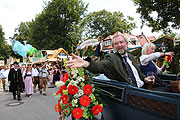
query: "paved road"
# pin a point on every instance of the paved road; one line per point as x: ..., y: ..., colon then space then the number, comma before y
x: 38, y: 107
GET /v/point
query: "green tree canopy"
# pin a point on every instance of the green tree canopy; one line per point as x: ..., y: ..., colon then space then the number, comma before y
x: 167, y: 14
x: 22, y: 32
x: 105, y: 23
x: 58, y: 25
x: 5, y: 49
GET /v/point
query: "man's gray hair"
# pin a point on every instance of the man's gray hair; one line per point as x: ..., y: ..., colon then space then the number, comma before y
x: 117, y: 35
x: 146, y: 46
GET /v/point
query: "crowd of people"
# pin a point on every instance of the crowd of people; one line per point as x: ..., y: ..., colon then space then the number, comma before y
x: 120, y: 66
x: 30, y: 78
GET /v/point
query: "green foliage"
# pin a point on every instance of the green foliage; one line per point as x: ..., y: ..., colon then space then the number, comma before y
x: 5, y: 49
x: 58, y: 25
x: 167, y: 13
x: 22, y: 32
x: 105, y: 23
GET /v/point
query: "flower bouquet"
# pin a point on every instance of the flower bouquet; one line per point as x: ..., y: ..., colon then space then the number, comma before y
x: 77, y: 96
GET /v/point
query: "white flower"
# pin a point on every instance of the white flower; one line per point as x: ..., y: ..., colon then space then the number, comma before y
x: 74, y: 102
x: 59, y: 83
x: 74, y: 72
x: 79, y: 93
x: 79, y: 79
x: 72, y: 82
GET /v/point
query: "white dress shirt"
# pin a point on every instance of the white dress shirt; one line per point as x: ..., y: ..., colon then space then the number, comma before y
x: 139, y: 82
x: 35, y: 72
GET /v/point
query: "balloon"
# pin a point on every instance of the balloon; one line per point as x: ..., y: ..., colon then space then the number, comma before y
x: 31, y: 51
x: 20, y: 49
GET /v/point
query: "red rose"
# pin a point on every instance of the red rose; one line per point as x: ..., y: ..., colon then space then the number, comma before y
x: 77, y: 113
x: 66, y: 77
x: 85, y: 77
x: 87, y: 89
x: 57, y: 108
x: 72, y: 89
x: 61, y: 89
x: 85, y: 100
x: 65, y: 99
x: 96, y: 109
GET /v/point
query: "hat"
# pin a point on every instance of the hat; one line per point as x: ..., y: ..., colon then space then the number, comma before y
x: 15, y: 63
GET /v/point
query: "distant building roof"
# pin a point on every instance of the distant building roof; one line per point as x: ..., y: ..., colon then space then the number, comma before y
x: 151, y: 38
x: 111, y: 36
x: 142, y: 39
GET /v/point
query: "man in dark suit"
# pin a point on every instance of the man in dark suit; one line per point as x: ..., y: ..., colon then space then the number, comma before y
x: 120, y: 66
x: 15, y: 81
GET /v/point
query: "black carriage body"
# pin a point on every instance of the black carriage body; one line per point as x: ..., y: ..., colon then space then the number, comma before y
x: 125, y: 102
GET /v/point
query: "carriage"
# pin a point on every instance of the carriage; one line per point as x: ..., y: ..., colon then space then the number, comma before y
x: 125, y: 102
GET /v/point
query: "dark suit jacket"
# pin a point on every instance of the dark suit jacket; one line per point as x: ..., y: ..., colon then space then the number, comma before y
x: 113, y: 66
x: 16, y: 80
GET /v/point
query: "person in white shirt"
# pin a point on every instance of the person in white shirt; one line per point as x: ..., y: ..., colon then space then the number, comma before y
x: 43, y: 80
x: 4, y: 76
x: 35, y: 75
x: 120, y: 66
x: 147, y: 65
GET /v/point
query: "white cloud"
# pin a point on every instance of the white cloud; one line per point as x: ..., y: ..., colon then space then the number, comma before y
x: 127, y: 8
x: 13, y: 12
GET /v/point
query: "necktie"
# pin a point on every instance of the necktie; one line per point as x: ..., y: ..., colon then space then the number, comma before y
x: 133, y: 79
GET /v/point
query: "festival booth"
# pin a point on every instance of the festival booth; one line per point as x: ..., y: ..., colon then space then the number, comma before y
x: 57, y: 54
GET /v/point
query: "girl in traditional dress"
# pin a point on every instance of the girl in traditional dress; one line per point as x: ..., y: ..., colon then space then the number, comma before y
x: 51, y: 80
x: 28, y: 82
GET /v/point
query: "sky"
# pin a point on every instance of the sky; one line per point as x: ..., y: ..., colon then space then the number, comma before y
x: 13, y: 12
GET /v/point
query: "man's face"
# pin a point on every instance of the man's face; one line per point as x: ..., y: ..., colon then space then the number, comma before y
x: 120, y: 45
x: 15, y: 65
x: 34, y: 66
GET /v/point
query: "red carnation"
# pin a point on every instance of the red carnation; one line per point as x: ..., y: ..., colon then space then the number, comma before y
x: 72, y: 89
x: 77, y: 113
x: 57, y: 108
x: 61, y: 89
x: 87, y: 89
x: 65, y: 99
x: 66, y: 77
x: 96, y: 109
x: 85, y: 100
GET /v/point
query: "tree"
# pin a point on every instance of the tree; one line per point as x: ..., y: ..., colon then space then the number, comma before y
x: 167, y: 14
x: 22, y: 32
x: 58, y: 25
x: 5, y: 49
x: 105, y: 23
